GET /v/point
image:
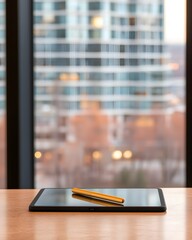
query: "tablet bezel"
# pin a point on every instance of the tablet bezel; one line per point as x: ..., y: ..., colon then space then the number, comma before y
x: 161, y: 208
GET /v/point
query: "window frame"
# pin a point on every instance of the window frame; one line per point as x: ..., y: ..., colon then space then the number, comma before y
x: 19, y: 93
x: 188, y: 94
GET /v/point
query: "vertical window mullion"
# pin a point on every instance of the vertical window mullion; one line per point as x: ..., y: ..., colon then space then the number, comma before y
x: 19, y: 64
x: 188, y: 96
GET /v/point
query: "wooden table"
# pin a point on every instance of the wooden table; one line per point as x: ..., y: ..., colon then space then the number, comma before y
x: 17, y: 223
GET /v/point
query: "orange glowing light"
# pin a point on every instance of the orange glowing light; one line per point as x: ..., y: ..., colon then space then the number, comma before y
x: 117, y: 155
x: 97, y: 22
x: 97, y: 155
x: 127, y: 154
x: 174, y: 66
x: 38, y: 154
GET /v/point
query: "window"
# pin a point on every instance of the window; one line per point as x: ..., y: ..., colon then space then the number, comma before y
x: 94, y: 6
x: 109, y: 79
x: 95, y: 34
x: 132, y: 21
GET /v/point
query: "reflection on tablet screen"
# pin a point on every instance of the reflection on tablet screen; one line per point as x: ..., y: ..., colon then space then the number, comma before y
x: 96, y: 201
x: 133, y: 197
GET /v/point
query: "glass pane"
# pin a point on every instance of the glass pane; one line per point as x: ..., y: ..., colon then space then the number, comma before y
x: 2, y: 97
x: 109, y: 93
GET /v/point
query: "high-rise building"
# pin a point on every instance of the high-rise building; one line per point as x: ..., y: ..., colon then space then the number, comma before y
x: 107, y: 55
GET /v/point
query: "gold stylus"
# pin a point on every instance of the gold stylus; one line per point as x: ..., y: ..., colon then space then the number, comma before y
x: 97, y: 195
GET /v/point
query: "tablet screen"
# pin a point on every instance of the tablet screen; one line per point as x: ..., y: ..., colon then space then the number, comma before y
x: 133, y: 197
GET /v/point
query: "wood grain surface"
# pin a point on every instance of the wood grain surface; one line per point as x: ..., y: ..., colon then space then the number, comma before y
x: 16, y: 222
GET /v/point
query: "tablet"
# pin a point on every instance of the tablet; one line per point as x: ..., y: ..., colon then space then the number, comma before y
x: 63, y: 200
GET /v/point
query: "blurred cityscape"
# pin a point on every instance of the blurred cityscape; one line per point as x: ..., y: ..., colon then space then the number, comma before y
x: 109, y: 96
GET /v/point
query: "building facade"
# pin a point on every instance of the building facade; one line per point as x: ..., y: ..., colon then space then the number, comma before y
x: 107, y: 55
